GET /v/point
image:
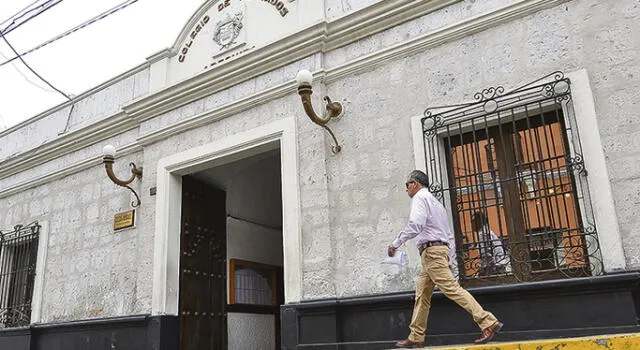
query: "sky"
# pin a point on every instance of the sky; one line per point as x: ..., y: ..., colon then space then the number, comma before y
x: 85, y: 58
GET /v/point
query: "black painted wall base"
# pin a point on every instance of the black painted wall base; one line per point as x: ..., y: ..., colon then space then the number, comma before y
x: 141, y: 332
x: 553, y: 309
x: 541, y: 310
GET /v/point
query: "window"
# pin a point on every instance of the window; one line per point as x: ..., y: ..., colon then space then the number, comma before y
x: 252, y: 283
x: 18, y: 254
x: 510, y: 167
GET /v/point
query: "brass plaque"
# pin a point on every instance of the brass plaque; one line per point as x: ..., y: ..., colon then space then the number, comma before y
x: 123, y: 220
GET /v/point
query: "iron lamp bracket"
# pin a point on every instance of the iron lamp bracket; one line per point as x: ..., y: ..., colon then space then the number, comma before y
x: 136, y: 173
x: 333, y: 109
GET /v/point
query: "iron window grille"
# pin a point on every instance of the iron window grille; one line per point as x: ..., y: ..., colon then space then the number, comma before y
x: 18, y: 255
x: 513, y: 160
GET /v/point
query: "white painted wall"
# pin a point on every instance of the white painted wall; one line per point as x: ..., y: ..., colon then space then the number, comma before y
x: 258, y: 24
x: 339, y: 8
x: 255, y: 194
x: 247, y: 241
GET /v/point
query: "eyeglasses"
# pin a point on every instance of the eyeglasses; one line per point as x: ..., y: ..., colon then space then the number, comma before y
x: 409, y: 183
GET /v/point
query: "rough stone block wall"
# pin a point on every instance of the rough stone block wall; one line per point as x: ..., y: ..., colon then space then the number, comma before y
x: 109, y: 100
x: 370, y: 205
x: 90, y: 270
x: 353, y: 203
x: 66, y: 160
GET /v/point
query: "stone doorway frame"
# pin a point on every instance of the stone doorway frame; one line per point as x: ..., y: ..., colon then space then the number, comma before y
x: 170, y: 169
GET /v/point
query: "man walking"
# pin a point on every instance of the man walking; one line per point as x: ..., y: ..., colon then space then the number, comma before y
x: 428, y: 223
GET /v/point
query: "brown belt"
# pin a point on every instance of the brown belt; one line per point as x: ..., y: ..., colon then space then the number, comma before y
x: 426, y: 245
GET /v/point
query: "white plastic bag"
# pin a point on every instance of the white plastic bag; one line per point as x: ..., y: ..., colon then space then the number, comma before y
x: 400, y: 258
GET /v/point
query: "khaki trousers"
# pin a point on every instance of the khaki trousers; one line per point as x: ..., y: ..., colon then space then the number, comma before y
x: 436, y: 272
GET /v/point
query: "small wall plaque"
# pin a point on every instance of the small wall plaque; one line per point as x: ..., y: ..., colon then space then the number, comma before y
x: 124, y: 220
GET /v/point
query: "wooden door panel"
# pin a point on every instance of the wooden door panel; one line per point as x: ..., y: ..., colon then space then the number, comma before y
x: 203, y: 254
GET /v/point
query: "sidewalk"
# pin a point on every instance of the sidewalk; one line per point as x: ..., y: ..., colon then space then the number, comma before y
x: 600, y: 342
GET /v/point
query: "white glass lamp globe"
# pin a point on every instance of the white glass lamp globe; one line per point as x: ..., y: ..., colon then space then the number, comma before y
x: 109, y: 151
x: 304, y: 77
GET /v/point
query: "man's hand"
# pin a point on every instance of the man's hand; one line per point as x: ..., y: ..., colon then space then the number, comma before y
x: 391, y: 251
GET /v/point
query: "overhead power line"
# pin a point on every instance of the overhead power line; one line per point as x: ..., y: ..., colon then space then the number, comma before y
x: 26, y: 77
x: 72, y: 30
x: 17, y: 22
x: 19, y: 12
x: 32, y: 71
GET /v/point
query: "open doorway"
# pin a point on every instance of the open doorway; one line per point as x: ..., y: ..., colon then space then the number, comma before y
x: 230, y: 297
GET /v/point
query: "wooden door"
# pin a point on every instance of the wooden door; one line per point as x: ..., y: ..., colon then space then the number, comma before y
x: 203, y: 279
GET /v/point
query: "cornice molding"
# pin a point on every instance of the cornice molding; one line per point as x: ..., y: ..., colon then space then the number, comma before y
x: 77, y: 99
x: 159, y: 55
x: 190, y: 23
x: 376, y: 18
x: 314, y: 39
x: 297, y: 46
x: 219, y: 113
x: 70, y: 170
x: 74, y: 141
x: 320, y: 37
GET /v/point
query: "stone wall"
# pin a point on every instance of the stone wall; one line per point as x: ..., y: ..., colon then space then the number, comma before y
x: 90, y: 271
x: 90, y: 107
x: 353, y: 203
x: 366, y: 179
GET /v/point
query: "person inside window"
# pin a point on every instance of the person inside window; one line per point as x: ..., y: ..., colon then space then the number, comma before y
x: 493, y: 258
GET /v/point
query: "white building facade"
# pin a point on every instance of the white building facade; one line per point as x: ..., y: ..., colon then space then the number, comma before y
x: 252, y: 233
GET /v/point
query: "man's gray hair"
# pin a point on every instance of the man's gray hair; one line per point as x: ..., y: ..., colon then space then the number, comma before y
x: 420, y: 177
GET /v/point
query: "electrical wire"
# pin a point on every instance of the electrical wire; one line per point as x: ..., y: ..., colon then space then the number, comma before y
x: 18, y: 13
x: 42, y: 8
x: 66, y: 124
x: 26, y: 77
x: 31, y: 69
x: 16, y: 23
x: 73, y: 30
x: 58, y: 37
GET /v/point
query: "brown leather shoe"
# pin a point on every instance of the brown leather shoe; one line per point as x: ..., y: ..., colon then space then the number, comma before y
x: 489, y: 332
x: 409, y: 344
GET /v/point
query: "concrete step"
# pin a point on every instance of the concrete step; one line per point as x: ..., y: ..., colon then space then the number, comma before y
x: 600, y: 342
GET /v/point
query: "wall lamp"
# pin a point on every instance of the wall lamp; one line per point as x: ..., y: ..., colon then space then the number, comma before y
x: 333, y: 109
x: 108, y: 156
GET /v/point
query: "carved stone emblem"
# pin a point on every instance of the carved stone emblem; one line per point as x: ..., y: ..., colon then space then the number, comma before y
x: 227, y: 30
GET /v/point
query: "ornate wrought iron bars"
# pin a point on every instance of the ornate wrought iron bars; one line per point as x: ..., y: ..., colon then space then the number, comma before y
x: 18, y: 255
x: 510, y: 166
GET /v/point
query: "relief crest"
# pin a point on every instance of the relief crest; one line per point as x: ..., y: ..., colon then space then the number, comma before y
x: 228, y: 29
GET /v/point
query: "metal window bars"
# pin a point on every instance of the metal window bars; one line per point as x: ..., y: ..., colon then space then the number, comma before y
x: 18, y: 255
x: 510, y: 166
x: 253, y: 286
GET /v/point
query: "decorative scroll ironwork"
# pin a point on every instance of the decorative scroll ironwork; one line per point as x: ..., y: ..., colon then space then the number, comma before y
x: 511, y: 167
x: 576, y: 163
x: 553, y: 86
x: 18, y: 254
